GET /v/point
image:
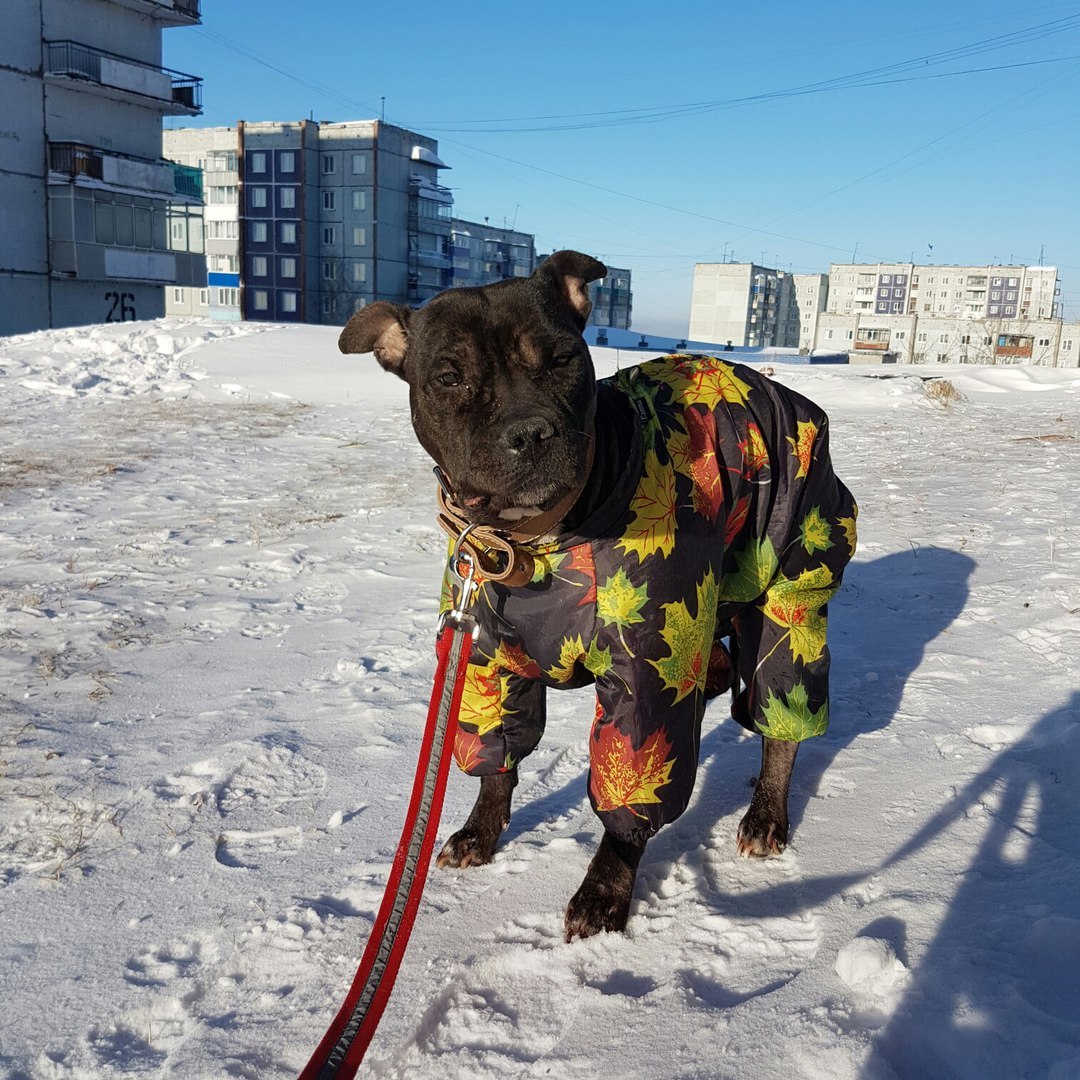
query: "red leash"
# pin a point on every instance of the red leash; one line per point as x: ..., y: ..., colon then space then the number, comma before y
x: 343, y: 1046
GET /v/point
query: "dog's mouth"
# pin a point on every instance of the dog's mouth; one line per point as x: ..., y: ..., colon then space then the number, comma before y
x: 507, y: 510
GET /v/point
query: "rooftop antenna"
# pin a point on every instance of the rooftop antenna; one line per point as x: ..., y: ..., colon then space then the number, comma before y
x: 517, y: 207
x: 856, y: 251
x: 1042, y: 248
x: 382, y: 108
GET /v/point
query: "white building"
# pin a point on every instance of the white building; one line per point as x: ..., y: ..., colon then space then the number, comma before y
x: 214, y: 151
x: 94, y: 224
x: 741, y: 303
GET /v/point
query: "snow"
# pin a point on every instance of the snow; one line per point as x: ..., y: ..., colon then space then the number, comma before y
x: 220, y: 581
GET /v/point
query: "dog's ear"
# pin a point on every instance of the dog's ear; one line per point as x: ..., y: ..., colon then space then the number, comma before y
x: 570, y: 272
x: 382, y: 328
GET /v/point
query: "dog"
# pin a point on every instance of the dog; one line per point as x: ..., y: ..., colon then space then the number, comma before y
x: 693, y: 532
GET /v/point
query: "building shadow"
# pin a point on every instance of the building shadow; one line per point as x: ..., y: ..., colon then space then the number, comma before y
x: 998, y: 992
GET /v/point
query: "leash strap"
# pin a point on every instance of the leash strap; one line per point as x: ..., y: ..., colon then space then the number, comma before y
x: 343, y: 1046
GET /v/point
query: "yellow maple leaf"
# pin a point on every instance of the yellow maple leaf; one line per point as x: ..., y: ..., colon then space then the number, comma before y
x: 796, y: 604
x: 803, y: 447
x: 700, y: 380
x: 570, y: 653
x: 754, y: 451
x: 653, y: 506
x: 482, y: 698
x: 850, y: 533
x: 619, y: 777
x: 689, y: 639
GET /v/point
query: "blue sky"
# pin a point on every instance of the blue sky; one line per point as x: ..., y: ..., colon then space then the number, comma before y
x: 659, y: 135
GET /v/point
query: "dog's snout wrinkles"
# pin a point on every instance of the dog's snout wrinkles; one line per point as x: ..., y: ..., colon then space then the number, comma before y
x: 526, y: 434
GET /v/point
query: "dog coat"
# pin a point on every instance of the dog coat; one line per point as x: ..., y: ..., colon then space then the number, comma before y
x: 726, y: 519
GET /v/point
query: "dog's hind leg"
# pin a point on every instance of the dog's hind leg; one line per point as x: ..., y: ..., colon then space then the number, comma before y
x: 475, y: 842
x: 764, y: 828
x: 602, y: 902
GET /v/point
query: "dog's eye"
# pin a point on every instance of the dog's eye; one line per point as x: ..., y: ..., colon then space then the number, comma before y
x: 448, y: 378
x: 562, y: 360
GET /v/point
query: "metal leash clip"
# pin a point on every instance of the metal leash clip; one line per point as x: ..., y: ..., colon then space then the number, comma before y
x: 458, y: 616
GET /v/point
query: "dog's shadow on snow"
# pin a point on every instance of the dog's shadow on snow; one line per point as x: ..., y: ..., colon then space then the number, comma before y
x: 880, y: 624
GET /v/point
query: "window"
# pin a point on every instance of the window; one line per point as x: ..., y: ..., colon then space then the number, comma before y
x: 288, y: 267
x: 288, y: 302
x: 257, y: 162
x: 329, y: 165
x: 178, y: 296
x: 359, y: 200
x: 258, y: 196
x: 1043, y: 341
x: 329, y: 270
x: 359, y: 236
x: 177, y: 231
x: 359, y: 164
x: 223, y: 230
x: 288, y: 232
x: 886, y: 279
x: 828, y: 334
x: 921, y: 338
x: 329, y: 200
x: 1066, y: 344
x: 258, y: 266
x: 993, y: 309
x: 227, y: 297
x: 204, y: 297
x: 223, y: 195
x: 1010, y: 311
x: 329, y: 235
x: 965, y: 339
x: 258, y: 232
x: 260, y: 299
x: 220, y: 163
x: 287, y: 162
x: 359, y: 272
x: 328, y: 304
x: 288, y: 198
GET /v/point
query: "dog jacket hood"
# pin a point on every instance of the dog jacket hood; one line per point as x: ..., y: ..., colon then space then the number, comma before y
x: 717, y: 514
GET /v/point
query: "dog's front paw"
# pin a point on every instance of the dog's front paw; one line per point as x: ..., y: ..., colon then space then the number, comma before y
x: 761, y: 834
x: 468, y: 847
x: 597, y: 906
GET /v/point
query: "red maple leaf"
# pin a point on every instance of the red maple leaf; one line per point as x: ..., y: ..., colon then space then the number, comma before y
x: 737, y: 518
x: 581, y: 561
x: 708, y: 494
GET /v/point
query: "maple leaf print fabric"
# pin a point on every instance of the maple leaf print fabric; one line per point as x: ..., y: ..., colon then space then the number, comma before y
x: 724, y: 518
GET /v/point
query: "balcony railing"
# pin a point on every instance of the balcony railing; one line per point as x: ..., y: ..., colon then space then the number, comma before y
x: 180, y: 93
x: 160, y: 177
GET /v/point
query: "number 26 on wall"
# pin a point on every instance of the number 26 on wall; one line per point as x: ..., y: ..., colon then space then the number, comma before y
x: 122, y: 307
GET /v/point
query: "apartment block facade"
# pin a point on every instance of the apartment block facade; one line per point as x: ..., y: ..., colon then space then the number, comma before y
x: 756, y: 306
x: 612, y: 299
x: 482, y: 253
x: 94, y: 223
x: 325, y: 217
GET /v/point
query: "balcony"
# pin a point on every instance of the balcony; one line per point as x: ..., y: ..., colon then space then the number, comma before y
x: 119, y: 77
x: 169, y: 12
x: 86, y: 164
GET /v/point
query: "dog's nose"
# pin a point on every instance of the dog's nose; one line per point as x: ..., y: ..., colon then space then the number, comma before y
x: 522, y: 435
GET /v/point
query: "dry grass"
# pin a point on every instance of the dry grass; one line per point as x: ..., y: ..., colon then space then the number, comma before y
x: 942, y: 392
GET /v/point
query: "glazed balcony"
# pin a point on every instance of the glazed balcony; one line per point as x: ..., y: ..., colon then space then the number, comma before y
x: 121, y: 78
x: 80, y: 163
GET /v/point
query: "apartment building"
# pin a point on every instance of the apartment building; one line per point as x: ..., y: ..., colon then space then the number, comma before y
x: 482, y: 253
x: 952, y: 292
x: 612, y: 299
x: 94, y: 223
x: 214, y: 153
x: 756, y: 306
x: 328, y: 217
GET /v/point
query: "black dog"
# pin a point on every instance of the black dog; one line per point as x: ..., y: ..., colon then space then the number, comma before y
x: 681, y: 502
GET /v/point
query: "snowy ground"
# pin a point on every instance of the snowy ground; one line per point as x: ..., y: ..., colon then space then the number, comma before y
x: 219, y: 580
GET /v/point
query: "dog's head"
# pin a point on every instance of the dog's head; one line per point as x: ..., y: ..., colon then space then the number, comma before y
x: 501, y: 383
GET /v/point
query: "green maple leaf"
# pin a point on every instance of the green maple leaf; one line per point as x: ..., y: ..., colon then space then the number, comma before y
x: 790, y: 718
x: 619, y: 604
x: 757, y: 564
x: 597, y: 661
x: 690, y: 640
x: 796, y: 604
x: 815, y: 531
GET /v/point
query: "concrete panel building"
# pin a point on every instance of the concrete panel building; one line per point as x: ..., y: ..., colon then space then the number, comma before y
x: 612, y: 299
x: 94, y: 223
x: 308, y: 222
x: 741, y: 303
x: 483, y: 253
